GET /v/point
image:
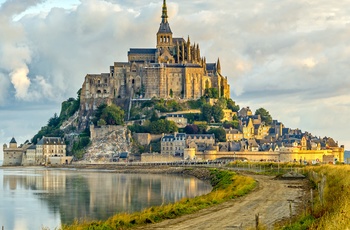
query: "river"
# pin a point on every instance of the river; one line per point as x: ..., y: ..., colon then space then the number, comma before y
x: 33, y: 198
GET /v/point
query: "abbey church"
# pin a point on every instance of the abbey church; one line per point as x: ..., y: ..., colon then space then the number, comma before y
x: 173, y: 69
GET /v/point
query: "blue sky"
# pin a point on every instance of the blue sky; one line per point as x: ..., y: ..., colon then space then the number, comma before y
x: 290, y: 57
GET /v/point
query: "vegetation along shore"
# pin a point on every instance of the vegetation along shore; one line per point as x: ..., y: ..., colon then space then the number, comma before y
x: 226, y: 185
x: 328, y: 209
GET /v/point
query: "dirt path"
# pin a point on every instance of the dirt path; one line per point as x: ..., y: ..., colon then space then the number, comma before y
x: 270, y: 200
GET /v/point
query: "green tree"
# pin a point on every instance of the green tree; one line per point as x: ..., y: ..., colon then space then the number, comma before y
x: 211, y: 93
x: 220, y: 134
x: 206, y: 112
x: 265, y: 115
x: 53, y: 121
x: 232, y: 105
x: 234, y: 124
x: 113, y: 115
x: 217, y: 113
x: 154, y: 116
x: 222, y: 102
x: 101, y: 122
x: 163, y: 126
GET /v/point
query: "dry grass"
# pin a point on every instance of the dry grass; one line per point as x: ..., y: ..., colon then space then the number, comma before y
x: 332, y: 206
x: 226, y: 185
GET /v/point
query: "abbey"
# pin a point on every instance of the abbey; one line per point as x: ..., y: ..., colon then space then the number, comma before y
x: 173, y: 69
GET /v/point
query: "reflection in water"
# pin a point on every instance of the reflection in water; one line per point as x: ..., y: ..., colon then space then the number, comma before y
x: 36, y: 197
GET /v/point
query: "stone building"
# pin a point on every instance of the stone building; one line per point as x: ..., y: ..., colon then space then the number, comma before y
x: 173, y: 69
x: 31, y: 157
x: 52, y: 150
x: 13, y: 154
x: 179, y: 119
x: 173, y: 144
x: 48, y: 150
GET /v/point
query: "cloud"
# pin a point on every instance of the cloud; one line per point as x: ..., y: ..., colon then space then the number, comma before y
x: 289, y: 56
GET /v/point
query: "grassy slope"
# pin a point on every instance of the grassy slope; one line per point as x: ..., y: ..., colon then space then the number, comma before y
x: 334, y: 213
x: 226, y: 185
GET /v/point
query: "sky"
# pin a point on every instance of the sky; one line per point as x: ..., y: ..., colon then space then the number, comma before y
x: 290, y: 57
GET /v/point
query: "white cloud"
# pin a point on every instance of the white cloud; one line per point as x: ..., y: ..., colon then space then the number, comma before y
x: 290, y: 57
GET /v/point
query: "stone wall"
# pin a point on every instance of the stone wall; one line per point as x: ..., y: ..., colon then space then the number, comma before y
x: 103, y: 131
x: 60, y: 160
x: 282, y: 156
x: 142, y: 138
x: 156, y: 157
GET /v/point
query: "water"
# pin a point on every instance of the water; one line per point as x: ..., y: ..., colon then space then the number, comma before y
x: 33, y: 198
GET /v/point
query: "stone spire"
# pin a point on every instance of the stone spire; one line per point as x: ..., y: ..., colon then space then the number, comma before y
x: 218, y: 66
x: 164, y: 13
x: 164, y: 35
x: 164, y: 25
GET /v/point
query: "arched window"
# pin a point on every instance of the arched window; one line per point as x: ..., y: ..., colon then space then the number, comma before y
x: 98, y: 91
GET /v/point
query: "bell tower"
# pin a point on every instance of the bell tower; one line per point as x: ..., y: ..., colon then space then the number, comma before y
x: 164, y: 35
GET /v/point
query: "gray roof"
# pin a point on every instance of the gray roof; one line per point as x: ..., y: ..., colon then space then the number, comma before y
x: 50, y: 141
x: 164, y: 28
x: 13, y: 140
x: 168, y: 138
x: 142, y: 51
x: 180, y: 40
x: 181, y: 135
x: 192, y: 136
x: 211, y: 66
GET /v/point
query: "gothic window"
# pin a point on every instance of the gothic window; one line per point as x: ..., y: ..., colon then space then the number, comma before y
x: 104, y: 91
x: 98, y: 91
x: 105, y: 80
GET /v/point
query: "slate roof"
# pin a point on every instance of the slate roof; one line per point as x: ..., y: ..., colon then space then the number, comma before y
x: 235, y: 146
x: 13, y: 140
x: 193, y: 136
x: 181, y: 135
x: 211, y: 66
x: 164, y: 28
x: 142, y: 51
x: 50, y: 141
x: 180, y: 40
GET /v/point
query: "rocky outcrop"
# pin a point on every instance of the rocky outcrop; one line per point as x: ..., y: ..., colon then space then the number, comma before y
x: 107, y: 143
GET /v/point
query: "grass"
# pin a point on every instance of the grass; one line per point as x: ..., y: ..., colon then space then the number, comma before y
x: 332, y: 206
x: 226, y: 185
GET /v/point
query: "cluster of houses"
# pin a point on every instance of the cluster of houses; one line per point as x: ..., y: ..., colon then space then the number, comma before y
x: 252, y: 140
x: 48, y: 150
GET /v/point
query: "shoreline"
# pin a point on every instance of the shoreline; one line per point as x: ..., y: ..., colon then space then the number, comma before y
x: 201, y: 173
